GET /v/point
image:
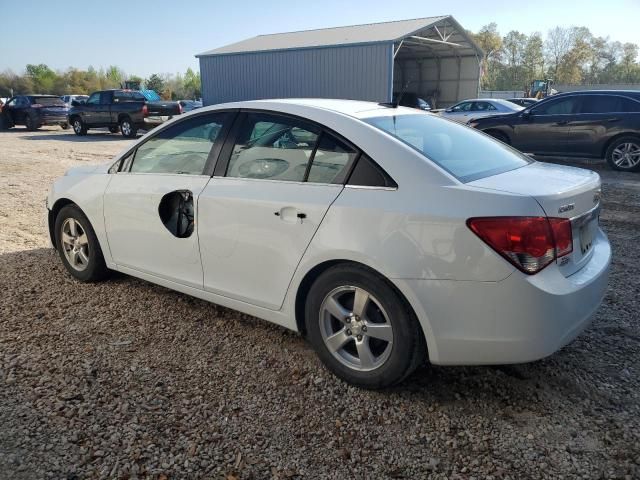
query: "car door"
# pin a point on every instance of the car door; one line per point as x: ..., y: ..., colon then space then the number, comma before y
x: 278, y: 177
x: 544, y: 129
x: 460, y: 112
x: 20, y: 110
x: 598, y: 119
x: 9, y: 109
x: 481, y: 109
x: 89, y: 110
x: 150, y: 205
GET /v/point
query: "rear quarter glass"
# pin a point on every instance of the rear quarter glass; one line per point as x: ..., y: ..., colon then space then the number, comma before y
x: 463, y: 152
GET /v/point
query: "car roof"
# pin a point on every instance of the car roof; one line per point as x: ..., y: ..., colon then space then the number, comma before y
x: 628, y: 93
x: 352, y: 108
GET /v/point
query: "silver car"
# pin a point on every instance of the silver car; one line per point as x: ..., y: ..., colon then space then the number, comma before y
x: 479, y: 107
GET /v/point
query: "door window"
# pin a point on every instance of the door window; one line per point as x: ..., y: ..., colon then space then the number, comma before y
x: 182, y: 148
x: 630, y: 105
x: 94, y: 99
x: 564, y: 106
x: 483, y: 107
x: 272, y: 147
x: 12, y: 102
x: 330, y: 160
x: 22, y: 102
x: 462, y: 107
x: 601, y: 104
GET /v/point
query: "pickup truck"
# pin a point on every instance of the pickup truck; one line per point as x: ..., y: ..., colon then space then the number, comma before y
x: 124, y: 110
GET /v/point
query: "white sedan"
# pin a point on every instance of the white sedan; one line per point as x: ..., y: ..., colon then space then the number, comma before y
x: 479, y: 108
x: 387, y: 236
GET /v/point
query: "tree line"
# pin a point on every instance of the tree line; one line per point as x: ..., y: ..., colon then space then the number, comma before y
x: 42, y: 79
x: 566, y: 55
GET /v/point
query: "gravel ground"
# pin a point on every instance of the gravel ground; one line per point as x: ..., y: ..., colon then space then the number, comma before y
x: 125, y: 379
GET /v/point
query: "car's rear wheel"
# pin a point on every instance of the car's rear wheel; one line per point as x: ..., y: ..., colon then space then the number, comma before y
x: 5, y: 124
x: 361, y: 328
x: 114, y: 129
x: 78, y: 245
x: 127, y: 128
x: 64, y: 126
x: 31, y: 123
x: 624, y: 154
x: 79, y: 126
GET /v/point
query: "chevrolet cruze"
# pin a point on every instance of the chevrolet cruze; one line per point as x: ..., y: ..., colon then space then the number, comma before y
x: 386, y: 236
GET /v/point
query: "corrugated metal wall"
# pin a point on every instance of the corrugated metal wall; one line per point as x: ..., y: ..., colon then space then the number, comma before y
x: 360, y: 72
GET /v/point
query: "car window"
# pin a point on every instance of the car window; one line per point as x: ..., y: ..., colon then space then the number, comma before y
x: 463, y: 152
x: 330, y: 159
x: 558, y: 107
x: 601, y: 104
x: 47, y: 101
x: 12, y: 102
x: 483, y: 106
x: 273, y: 147
x: 22, y: 102
x: 629, y: 105
x: 462, y: 107
x: 368, y: 173
x: 94, y: 99
x: 182, y: 148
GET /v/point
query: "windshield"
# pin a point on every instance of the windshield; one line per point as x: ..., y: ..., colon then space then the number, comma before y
x: 465, y: 153
x: 48, y: 101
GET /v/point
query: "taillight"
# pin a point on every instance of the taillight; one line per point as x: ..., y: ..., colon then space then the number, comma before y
x: 145, y: 111
x: 179, y: 108
x: 529, y: 243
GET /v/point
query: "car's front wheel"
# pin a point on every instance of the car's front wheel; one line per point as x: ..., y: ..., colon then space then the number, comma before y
x: 78, y: 245
x: 361, y: 328
x: 127, y: 128
x: 624, y: 154
x: 31, y: 123
x: 79, y: 126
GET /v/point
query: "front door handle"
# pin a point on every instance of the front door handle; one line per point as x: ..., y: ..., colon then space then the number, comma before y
x: 611, y: 120
x: 290, y: 215
x: 563, y: 122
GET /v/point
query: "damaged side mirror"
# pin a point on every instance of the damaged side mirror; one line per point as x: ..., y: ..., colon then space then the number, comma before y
x: 177, y: 213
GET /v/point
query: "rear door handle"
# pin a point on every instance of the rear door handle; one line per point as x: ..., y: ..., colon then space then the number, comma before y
x: 611, y: 120
x: 563, y: 122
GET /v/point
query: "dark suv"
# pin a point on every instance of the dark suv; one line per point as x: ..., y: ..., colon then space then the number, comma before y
x: 598, y: 124
x: 33, y: 111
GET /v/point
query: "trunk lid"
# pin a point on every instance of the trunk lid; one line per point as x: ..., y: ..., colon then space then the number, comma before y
x: 562, y: 192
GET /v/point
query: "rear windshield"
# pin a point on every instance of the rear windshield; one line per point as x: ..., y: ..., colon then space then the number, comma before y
x: 48, y: 101
x: 127, y: 96
x: 467, y: 154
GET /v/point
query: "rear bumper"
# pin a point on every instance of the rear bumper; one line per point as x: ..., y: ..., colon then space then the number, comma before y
x: 519, y: 319
x: 151, y: 122
x: 53, y: 119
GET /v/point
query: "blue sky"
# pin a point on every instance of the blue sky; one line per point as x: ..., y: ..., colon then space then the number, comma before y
x: 163, y: 36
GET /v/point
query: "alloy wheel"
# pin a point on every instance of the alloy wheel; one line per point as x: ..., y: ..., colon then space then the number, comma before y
x: 77, y: 126
x: 355, y: 328
x: 75, y: 244
x: 626, y: 155
x: 126, y: 128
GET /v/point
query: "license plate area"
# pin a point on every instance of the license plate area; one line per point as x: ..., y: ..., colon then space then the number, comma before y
x: 586, y: 234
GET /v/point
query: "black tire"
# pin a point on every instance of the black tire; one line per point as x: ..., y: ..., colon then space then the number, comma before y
x: 31, y: 123
x: 498, y: 135
x: 79, y: 127
x: 619, y: 158
x: 5, y: 124
x: 127, y: 128
x: 114, y: 129
x: 95, y: 268
x: 64, y: 126
x: 406, y: 351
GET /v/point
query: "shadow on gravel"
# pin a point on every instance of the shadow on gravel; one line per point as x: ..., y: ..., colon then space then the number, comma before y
x: 72, y: 137
x: 108, y: 371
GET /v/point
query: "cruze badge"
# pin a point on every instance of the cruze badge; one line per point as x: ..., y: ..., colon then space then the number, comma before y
x: 566, y: 208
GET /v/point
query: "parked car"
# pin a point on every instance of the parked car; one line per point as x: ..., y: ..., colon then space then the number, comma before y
x: 188, y: 105
x: 597, y: 124
x: 34, y: 111
x: 69, y: 99
x: 124, y: 110
x: 384, y: 235
x: 523, y: 102
x: 478, y: 108
x: 411, y: 100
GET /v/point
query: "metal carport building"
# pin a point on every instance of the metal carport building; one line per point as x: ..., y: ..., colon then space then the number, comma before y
x: 433, y: 57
